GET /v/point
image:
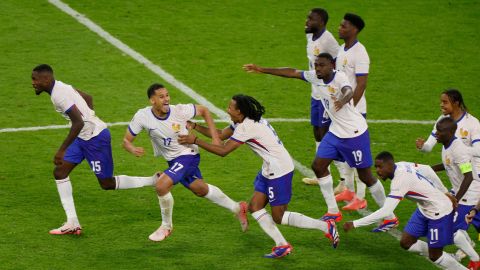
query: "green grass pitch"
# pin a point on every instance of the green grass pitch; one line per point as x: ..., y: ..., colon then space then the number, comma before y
x: 417, y: 49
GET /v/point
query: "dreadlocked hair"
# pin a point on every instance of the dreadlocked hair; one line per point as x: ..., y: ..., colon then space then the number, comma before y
x: 249, y: 107
x: 455, y: 96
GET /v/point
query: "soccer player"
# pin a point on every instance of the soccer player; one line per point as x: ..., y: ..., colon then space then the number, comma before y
x: 457, y: 162
x: 88, y: 138
x: 319, y: 40
x: 468, y: 127
x: 353, y: 60
x: 163, y: 123
x: 347, y: 139
x: 273, y: 183
x: 433, y: 217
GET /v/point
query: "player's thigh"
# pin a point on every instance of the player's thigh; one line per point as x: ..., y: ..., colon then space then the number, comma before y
x: 277, y: 190
x: 328, y: 149
x: 98, y: 153
x: 184, y: 169
x: 356, y: 151
x: 417, y: 225
x: 440, y: 232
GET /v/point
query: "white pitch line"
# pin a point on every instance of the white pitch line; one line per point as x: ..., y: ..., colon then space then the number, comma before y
x: 170, y: 79
x: 138, y: 57
x: 273, y: 120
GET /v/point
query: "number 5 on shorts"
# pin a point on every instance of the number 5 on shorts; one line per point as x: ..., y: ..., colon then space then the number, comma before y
x: 270, y: 193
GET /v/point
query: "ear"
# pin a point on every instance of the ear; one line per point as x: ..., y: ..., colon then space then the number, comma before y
x: 152, y: 101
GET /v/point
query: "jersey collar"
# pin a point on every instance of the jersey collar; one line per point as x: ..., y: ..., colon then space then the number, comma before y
x: 159, y: 118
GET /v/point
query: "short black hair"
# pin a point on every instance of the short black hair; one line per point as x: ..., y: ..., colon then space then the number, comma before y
x: 43, y: 68
x: 384, y: 156
x: 152, y: 88
x: 249, y: 107
x: 448, y: 122
x: 322, y: 13
x: 455, y: 96
x: 328, y: 56
x: 356, y: 20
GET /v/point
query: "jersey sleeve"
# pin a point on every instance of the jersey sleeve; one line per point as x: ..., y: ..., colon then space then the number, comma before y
x: 475, y: 133
x: 309, y: 76
x: 187, y: 111
x: 362, y: 63
x: 386, y: 210
x: 462, y: 158
x: 431, y: 140
x: 399, y: 187
x: 343, y: 80
x: 241, y: 134
x: 63, y: 103
x: 332, y: 47
x: 136, y: 125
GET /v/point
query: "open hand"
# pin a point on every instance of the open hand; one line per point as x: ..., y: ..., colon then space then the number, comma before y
x: 186, y: 139
x: 252, y: 68
x: 348, y: 226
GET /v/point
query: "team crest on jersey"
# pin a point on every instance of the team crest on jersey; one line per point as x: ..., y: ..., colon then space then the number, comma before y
x: 176, y: 127
x: 316, y: 51
x: 331, y: 89
x: 463, y: 133
x: 447, y: 161
x: 345, y: 62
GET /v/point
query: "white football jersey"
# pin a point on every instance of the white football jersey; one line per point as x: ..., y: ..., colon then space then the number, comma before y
x: 428, y: 172
x: 325, y: 43
x: 409, y: 183
x: 164, y: 132
x: 468, y: 130
x: 263, y: 140
x: 454, y: 157
x: 354, y: 62
x: 347, y: 122
x: 64, y: 96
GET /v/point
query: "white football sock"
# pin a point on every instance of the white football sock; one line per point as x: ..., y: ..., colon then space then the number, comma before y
x: 326, y: 186
x: 448, y: 262
x: 420, y: 247
x: 127, y: 182
x: 340, y: 169
x: 64, y: 187
x: 349, y: 176
x: 269, y: 227
x: 166, y: 208
x: 301, y: 221
x: 218, y: 197
x: 378, y: 194
x: 361, y: 187
x: 461, y: 241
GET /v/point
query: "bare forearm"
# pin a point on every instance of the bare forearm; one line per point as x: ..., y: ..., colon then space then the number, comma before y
x: 464, y: 187
x: 74, y: 131
x: 358, y: 93
x: 282, y: 72
x: 205, y: 130
x: 438, y: 167
x: 88, y: 99
x: 215, y: 149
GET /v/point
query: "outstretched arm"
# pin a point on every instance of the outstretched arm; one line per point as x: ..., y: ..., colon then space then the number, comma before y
x: 282, y: 72
x: 223, y: 134
x: 438, y: 167
x: 386, y: 210
x: 212, y: 130
x: 77, y: 125
x: 128, y: 145
x: 88, y: 99
x: 221, y: 150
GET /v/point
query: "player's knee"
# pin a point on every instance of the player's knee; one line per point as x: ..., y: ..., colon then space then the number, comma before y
x: 319, y: 170
x: 277, y: 218
x: 107, y: 184
x: 59, y: 173
x: 406, y: 243
x: 200, y: 192
x: 434, y: 256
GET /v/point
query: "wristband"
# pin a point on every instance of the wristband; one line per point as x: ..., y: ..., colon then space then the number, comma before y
x: 195, y: 141
x: 195, y: 125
